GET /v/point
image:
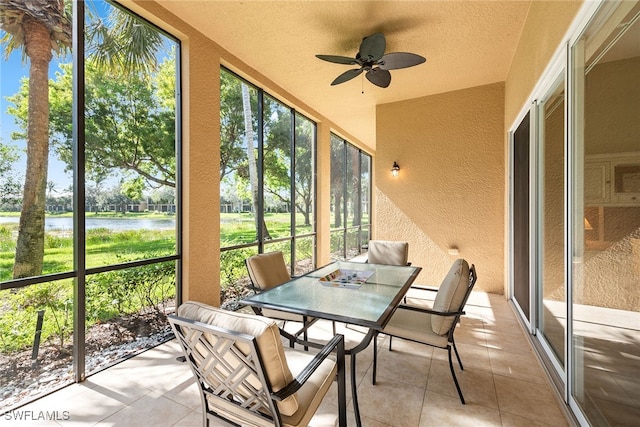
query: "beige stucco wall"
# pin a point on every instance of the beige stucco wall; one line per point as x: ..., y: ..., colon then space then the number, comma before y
x: 546, y: 24
x: 449, y: 192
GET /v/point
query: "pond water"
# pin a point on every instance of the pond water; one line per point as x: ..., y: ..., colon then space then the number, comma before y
x: 115, y: 224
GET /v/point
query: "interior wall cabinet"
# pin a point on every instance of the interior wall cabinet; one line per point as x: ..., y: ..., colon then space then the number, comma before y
x: 612, y: 179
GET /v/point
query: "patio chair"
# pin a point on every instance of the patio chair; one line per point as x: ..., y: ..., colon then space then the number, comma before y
x: 267, y: 271
x: 434, y: 327
x: 247, y: 377
x: 388, y: 252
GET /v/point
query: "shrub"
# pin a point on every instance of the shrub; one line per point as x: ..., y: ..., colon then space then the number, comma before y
x: 19, y: 314
x: 130, y: 290
x: 232, y: 265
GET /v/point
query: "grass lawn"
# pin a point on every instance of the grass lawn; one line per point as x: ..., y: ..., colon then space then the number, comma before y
x: 105, y: 247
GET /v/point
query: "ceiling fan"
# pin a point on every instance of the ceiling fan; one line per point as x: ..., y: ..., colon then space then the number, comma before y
x: 371, y: 58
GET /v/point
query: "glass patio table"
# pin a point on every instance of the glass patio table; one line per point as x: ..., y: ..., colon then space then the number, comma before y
x: 350, y: 292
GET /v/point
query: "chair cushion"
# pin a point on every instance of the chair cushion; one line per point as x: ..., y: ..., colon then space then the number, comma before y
x: 313, y: 391
x: 268, y: 270
x: 282, y: 315
x: 414, y: 325
x: 268, y: 340
x: 388, y: 252
x: 450, y: 296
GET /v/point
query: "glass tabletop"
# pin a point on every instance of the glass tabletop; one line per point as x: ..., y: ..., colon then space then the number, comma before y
x: 357, y: 293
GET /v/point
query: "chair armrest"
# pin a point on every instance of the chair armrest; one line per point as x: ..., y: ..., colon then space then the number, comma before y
x: 430, y: 311
x: 336, y: 344
x: 424, y: 288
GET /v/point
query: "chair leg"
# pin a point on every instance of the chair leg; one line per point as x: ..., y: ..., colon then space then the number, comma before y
x: 305, y: 334
x: 333, y: 323
x: 292, y: 343
x: 354, y: 393
x: 457, y: 355
x: 375, y: 357
x: 390, y: 338
x: 342, y: 386
x: 453, y: 374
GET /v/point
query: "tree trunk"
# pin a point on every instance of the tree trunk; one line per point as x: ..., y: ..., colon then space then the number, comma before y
x: 357, y: 203
x: 338, y: 209
x: 30, y: 245
x: 307, y: 212
x: 251, y: 157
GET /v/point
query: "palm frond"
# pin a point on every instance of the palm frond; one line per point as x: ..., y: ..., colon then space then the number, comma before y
x: 51, y: 13
x: 123, y: 43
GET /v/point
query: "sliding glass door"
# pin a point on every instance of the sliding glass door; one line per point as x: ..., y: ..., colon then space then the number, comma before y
x: 521, y: 242
x: 551, y: 289
x: 606, y: 218
x: 575, y: 216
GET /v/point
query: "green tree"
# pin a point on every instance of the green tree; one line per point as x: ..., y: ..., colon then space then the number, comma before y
x: 277, y: 151
x: 133, y: 134
x: 133, y: 189
x: 130, y: 123
x: 304, y: 168
x: 337, y: 178
x: 237, y: 158
x: 37, y: 27
x: 232, y: 153
x: 354, y: 184
x: 238, y: 138
x: 9, y: 184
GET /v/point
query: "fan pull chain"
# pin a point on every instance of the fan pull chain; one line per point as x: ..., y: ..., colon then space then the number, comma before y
x: 362, y: 83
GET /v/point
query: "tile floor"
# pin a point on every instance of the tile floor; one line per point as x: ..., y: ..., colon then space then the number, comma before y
x: 503, y: 383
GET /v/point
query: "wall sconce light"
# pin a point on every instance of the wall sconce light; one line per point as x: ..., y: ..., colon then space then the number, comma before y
x: 395, y: 169
x: 587, y: 225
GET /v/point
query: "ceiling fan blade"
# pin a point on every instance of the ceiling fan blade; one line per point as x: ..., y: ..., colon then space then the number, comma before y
x: 346, y: 76
x: 379, y: 77
x: 337, y: 59
x: 372, y: 47
x: 396, y: 60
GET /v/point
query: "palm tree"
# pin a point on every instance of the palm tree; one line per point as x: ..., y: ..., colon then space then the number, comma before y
x: 121, y: 43
x: 38, y: 27
x: 118, y: 43
x: 251, y: 157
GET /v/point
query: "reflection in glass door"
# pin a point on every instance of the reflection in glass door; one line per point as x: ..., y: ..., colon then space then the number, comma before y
x: 606, y: 218
x: 552, y: 314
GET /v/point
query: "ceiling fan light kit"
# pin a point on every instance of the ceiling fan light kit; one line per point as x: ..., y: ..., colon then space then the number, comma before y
x: 371, y: 58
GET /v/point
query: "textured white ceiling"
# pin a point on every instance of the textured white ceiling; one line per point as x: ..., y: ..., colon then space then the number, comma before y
x: 466, y: 43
